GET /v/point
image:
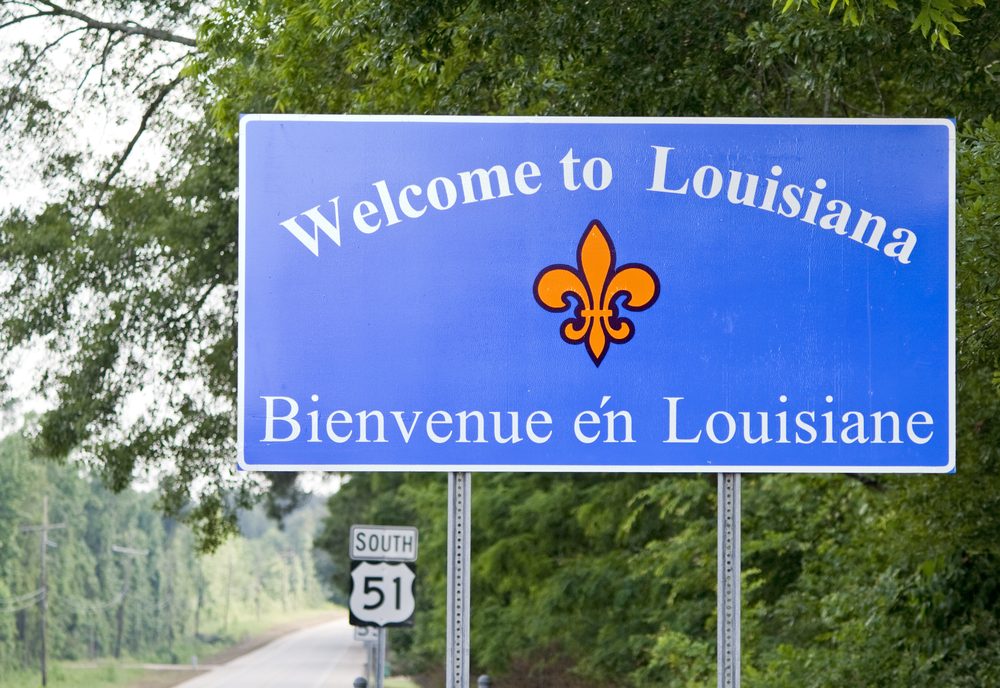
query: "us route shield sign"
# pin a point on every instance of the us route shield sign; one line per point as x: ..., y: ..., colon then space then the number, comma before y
x: 381, y: 594
x: 434, y: 293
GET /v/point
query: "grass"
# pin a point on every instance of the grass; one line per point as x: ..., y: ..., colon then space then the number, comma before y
x: 61, y: 676
x: 238, y: 630
x: 251, y: 625
x: 109, y: 674
x: 400, y: 682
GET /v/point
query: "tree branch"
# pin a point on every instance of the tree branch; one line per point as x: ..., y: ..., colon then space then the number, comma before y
x: 157, y: 69
x: 146, y: 116
x: 26, y: 71
x: 25, y: 17
x: 102, y: 63
x: 195, y: 308
x: 41, y: 53
x: 127, y: 28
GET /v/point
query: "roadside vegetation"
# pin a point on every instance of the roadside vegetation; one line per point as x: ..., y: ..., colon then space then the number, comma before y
x: 124, y: 274
x: 175, y: 605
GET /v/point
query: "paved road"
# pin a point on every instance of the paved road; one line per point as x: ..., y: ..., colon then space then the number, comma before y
x: 324, y: 656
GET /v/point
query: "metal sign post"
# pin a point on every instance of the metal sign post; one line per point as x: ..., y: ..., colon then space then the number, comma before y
x: 380, y: 659
x: 728, y: 592
x: 459, y: 556
x: 368, y: 635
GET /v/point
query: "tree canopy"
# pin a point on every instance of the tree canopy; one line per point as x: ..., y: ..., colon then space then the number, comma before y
x: 937, y: 20
x: 127, y: 277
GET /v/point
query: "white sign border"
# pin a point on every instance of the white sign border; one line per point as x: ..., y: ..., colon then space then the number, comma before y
x: 549, y: 468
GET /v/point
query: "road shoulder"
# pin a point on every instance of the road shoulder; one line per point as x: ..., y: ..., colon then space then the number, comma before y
x: 175, y: 676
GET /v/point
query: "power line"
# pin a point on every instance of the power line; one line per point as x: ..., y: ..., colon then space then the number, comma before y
x: 21, y: 602
x: 83, y: 605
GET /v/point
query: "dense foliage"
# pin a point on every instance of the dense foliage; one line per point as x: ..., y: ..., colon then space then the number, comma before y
x: 875, y: 581
x: 174, y: 602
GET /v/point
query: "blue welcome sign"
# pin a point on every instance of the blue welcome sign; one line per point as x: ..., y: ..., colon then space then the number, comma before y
x: 725, y: 295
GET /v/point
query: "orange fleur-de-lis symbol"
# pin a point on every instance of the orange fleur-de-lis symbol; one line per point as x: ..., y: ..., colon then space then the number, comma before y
x: 598, y: 288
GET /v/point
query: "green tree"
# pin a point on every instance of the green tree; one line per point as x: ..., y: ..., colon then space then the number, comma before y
x: 121, y: 276
x: 845, y: 575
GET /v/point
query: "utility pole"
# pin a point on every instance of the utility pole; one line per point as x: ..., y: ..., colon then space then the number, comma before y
x: 120, y: 616
x: 229, y: 592
x: 200, y: 582
x: 256, y: 593
x: 43, y: 600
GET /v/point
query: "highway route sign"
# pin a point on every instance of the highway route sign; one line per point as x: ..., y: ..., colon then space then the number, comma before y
x: 382, y: 594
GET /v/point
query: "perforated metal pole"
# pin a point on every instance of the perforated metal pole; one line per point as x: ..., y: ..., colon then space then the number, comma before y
x: 729, y: 581
x: 372, y: 660
x: 380, y: 659
x: 459, y: 556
